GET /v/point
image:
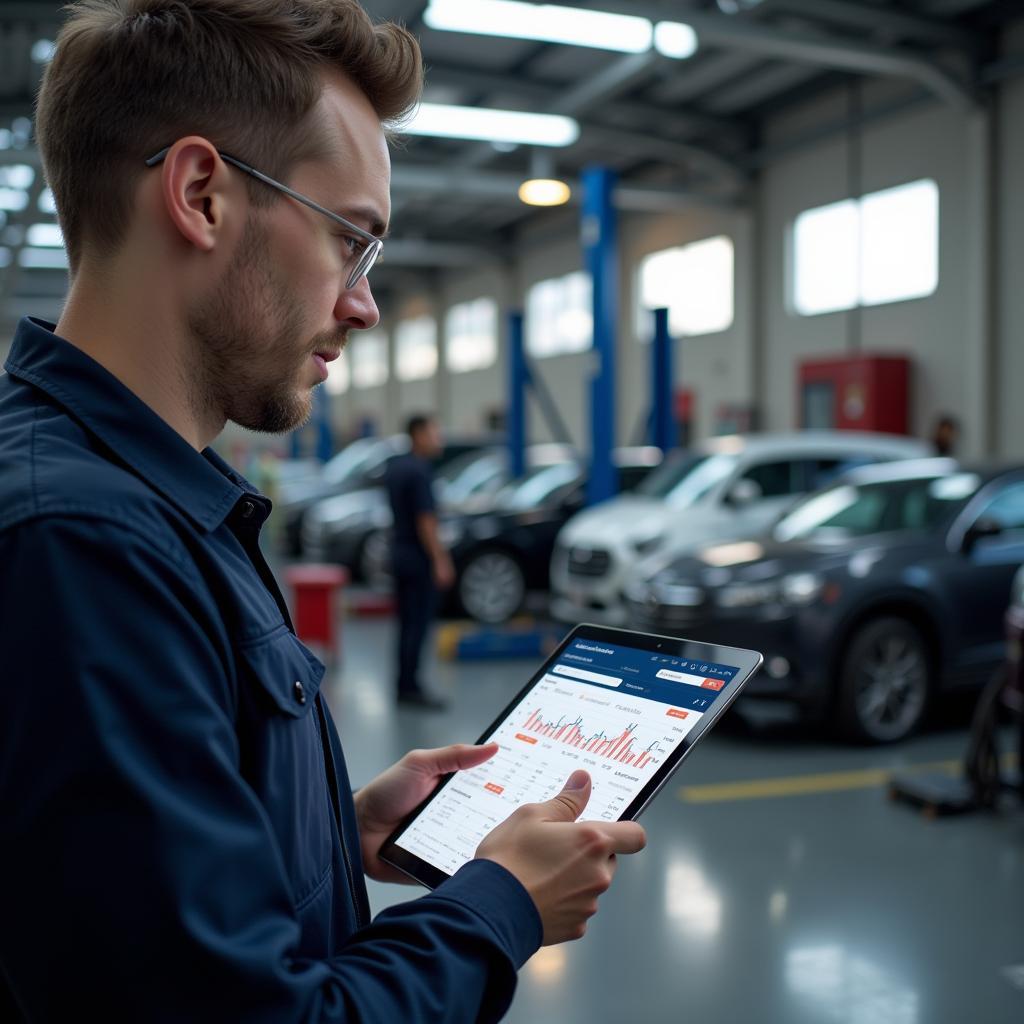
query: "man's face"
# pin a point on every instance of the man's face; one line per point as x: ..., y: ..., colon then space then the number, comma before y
x: 428, y: 440
x: 281, y: 310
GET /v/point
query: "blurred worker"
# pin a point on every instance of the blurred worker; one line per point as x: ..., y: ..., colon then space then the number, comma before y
x: 180, y: 839
x: 420, y: 563
x: 945, y: 435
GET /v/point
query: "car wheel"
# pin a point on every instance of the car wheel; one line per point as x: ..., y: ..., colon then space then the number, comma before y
x: 884, y: 681
x: 492, y: 586
x: 375, y: 559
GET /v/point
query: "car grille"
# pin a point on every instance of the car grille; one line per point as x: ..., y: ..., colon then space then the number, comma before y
x: 589, y: 562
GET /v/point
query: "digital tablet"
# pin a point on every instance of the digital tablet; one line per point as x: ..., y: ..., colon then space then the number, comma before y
x: 628, y: 707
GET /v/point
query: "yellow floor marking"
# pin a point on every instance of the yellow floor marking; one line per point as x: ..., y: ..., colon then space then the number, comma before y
x: 827, y: 782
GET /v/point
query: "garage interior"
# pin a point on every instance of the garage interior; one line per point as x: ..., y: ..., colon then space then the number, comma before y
x: 790, y: 222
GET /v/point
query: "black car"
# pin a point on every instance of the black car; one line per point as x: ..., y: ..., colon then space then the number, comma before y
x: 354, y: 529
x: 502, y: 553
x: 359, y: 467
x: 867, y: 598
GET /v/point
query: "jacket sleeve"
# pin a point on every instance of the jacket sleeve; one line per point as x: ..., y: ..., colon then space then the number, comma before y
x: 139, y: 875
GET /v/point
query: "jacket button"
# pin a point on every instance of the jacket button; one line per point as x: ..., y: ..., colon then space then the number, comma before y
x: 300, y: 692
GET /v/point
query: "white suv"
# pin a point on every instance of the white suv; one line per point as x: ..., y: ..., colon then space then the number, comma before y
x: 725, y: 487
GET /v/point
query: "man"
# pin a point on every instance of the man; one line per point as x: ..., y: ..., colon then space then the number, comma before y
x: 420, y: 563
x: 179, y: 838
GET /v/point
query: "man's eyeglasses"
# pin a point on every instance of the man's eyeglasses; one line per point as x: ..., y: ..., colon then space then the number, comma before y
x: 366, y: 248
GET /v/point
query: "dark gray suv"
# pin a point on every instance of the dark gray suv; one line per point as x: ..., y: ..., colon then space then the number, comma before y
x: 867, y: 598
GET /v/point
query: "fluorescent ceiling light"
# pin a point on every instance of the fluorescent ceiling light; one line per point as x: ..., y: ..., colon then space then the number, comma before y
x: 451, y: 122
x: 544, y: 192
x: 43, y: 259
x: 548, y: 23
x: 674, y: 39
x: 45, y: 234
x: 47, y: 204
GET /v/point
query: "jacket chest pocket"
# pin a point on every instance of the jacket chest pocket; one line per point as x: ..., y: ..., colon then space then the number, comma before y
x: 283, y: 757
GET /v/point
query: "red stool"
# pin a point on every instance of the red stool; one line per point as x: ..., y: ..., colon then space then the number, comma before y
x: 314, y: 601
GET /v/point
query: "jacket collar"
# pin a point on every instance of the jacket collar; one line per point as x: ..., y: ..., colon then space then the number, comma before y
x: 200, y: 484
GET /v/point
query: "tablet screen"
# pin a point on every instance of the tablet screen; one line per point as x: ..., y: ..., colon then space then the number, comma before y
x: 617, y: 711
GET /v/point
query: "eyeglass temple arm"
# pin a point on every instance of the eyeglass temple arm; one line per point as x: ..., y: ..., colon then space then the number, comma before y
x: 298, y: 197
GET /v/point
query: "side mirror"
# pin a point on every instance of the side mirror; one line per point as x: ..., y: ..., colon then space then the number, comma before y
x: 981, y: 529
x: 744, y: 492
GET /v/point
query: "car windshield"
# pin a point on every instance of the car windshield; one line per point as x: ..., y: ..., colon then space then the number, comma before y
x: 354, y: 459
x: 856, y: 510
x: 470, y: 474
x: 537, y: 486
x: 683, y: 481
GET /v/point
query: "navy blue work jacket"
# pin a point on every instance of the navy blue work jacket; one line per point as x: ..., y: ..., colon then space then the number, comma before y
x: 178, y: 840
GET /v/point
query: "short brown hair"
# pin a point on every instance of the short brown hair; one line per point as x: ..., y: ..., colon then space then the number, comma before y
x: 129, y: 77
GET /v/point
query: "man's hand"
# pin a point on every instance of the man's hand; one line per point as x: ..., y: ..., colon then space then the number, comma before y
x: 563, y: 864
x: 444, y: 572
x: 384, y: 802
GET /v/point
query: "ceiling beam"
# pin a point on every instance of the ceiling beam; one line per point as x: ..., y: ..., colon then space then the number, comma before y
x: 823, y: 49
x: 410, y: 181
x: 873, y: 18
x: 535, y: 92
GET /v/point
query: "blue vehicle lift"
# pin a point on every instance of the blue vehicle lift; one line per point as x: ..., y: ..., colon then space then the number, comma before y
x: 600, y: 246
x: 320, y: 421
x: 663, y: 427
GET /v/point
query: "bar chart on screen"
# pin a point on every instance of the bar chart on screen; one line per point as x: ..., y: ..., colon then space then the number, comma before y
x: 574, y: 734
x: 618, y: 737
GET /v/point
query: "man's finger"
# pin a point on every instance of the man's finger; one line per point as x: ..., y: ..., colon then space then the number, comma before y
x: 568, y: 805
x: 459, y: 756
x: 625, y: 836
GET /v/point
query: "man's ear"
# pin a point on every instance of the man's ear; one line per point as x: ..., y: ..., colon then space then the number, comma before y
x: 197, y: 191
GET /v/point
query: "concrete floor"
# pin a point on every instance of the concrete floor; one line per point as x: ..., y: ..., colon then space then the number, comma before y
x: 830, y: 907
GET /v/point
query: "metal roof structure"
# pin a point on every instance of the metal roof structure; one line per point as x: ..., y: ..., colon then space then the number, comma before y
x: 677, y: 132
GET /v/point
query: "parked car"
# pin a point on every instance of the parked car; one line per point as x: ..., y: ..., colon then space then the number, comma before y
x: 360, y: 466
x: 354, y: 529
x: 724, y: 487
x: 502, y: 553
x: 867, y: 599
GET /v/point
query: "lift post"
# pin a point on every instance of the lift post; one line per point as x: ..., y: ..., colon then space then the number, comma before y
x: 663, y: 418
x: 600, y: 247
x: 321, y: 423
x: 518, y: 377
x: 521, y: 378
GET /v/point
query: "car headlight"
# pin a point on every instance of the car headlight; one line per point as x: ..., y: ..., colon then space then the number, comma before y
x: 801, y: 588
x: 748, y: 595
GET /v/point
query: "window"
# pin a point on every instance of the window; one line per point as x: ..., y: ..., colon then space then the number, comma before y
x: 338, y: 375
x: 694, y: 282
x: 883, y: 247
x: 775, y: 479
x: 558, y: 316
x: 471, y: 335
x: 416, y: 348
x: 369, y: 355
x: 1007, y: 509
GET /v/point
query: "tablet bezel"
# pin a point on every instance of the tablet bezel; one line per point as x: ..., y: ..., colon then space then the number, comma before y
x: 745, y: 661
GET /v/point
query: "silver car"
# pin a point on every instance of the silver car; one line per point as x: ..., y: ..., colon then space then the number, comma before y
x: 725, y: 487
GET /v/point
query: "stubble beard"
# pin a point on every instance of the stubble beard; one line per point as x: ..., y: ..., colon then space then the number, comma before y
x: 248, y: 361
